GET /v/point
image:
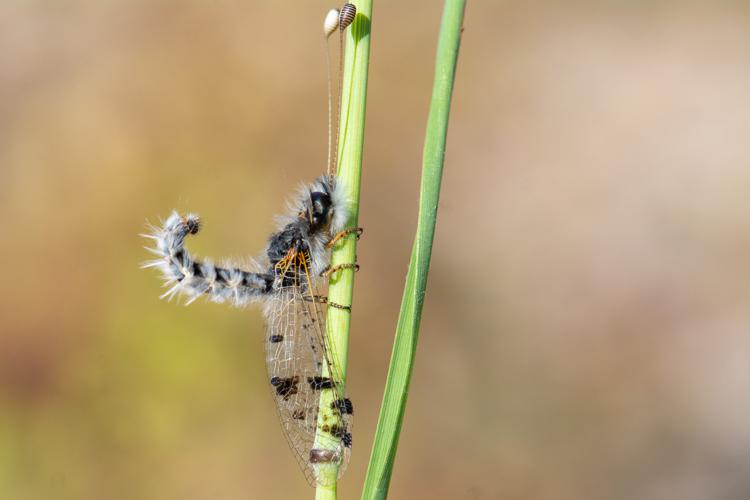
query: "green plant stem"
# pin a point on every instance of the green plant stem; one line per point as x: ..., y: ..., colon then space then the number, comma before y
x: 351, y: 142
x: 407, y: 331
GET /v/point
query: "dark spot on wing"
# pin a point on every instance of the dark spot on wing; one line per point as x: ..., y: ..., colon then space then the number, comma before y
x: 298, y: 414
x: 347, y: 439
x: 338, y: 430
x: 335, y: 430
x: 344, y: 406
x: 275, y: 339
x: 318, y: 383
x: 318, y: 456
x: 286, y: 387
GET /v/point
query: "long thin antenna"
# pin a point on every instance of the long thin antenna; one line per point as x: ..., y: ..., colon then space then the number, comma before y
x: 336, y: 20
x: 330, y: 25
x: 346, y: 17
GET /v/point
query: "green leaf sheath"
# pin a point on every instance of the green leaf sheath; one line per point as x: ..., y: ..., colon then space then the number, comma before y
x: 392, y: 410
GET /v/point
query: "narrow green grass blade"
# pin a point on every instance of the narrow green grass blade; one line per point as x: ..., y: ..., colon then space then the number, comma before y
x: 407, y: 331
x: 351, y: 143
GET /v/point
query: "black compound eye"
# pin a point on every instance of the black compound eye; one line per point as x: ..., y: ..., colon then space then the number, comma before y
x: 321, y: 206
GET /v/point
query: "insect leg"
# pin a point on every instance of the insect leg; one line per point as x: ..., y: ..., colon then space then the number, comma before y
x: 320, y: 299
x: 340, y: 267
x: 346, y: 232
x: 188, y: 276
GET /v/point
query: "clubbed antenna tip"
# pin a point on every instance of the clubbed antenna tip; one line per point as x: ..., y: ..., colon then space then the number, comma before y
x: 346, y: 16
x: 331, y: 22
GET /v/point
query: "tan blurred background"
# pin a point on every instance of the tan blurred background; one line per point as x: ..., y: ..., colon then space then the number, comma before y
x: 587, y: 328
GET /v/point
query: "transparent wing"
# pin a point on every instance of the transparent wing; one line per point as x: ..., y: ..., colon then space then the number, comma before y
x: 305, y: 378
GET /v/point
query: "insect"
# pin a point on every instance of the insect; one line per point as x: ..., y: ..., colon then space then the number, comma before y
x: 303, y: 367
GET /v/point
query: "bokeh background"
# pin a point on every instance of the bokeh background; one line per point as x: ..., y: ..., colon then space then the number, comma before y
x: 587, y: 326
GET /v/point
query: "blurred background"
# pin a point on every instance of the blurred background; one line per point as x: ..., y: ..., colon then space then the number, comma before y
x: 587, y: 325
